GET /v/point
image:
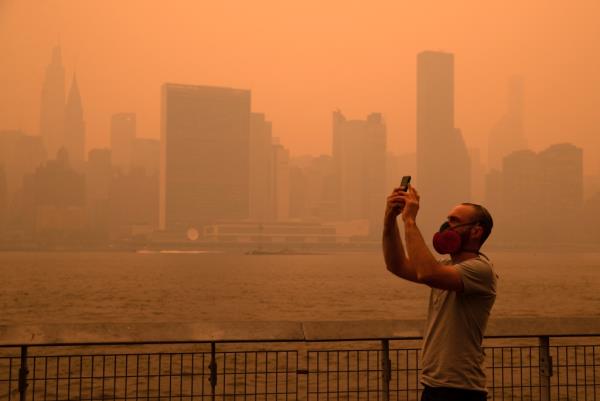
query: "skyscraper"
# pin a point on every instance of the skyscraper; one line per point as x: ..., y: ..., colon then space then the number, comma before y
x: 262, y: 207
x: 542, y: 194
x: 57, y: 210
x: 75, y: 127
x: 493, y: 199
x: 561, y: 189
x: 359, y: 153
x: 281, y: 181
x: 3, y: 199
x: 507, y: 134
x: 443, y: 166
x: 312, y: 184
x: 122, y: 136
x: 98, y: 175
x: 398, y: 166
x: 521, y: 197
x: 52, y: 110
x: 478, y: 171
x: 98, y: 179
x: 20, y: 154
x: 204, y: 155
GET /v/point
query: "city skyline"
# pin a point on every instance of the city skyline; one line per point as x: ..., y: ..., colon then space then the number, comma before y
x: 223, y: 163
x: 139, y: 187
x: 337, y: 65
x: 507, y: 130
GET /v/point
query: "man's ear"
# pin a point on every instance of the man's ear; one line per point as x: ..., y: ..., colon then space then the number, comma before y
x: 477, y: 232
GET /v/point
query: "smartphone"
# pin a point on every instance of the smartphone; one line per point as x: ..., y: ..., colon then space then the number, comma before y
x: 404, y: 183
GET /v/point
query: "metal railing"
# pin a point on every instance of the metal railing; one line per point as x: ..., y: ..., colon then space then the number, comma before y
x: 310, y: 364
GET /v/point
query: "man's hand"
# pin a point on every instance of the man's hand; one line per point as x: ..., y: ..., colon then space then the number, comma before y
x: 395, y: 204
x: 411, y: 204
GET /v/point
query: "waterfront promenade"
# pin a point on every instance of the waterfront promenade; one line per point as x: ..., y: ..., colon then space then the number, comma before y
x: 526, y: 359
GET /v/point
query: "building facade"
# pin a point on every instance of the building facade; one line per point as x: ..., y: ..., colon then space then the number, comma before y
x: 204, y: 155
x: 122, y: 137
x: 443, y: 165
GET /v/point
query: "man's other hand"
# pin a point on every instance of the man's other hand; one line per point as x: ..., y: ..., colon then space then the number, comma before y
x: 411, y: 204
x: 395, y: 203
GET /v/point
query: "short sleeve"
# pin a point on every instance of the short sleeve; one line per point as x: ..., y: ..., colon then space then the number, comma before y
x: 478, y: 276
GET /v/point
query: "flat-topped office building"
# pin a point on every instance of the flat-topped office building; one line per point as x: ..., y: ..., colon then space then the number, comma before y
x: 359, y: 154
x: 443, y: 165
x: 204, y: 155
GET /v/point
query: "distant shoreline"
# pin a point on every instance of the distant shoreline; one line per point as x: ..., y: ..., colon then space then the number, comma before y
x: 289, y: 249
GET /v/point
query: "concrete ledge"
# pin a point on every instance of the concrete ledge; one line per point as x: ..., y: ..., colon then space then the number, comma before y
x: 274, y: 331
x: 363, y: 330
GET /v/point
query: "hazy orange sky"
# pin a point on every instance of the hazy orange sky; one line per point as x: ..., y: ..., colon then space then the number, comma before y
x: 304, y: 59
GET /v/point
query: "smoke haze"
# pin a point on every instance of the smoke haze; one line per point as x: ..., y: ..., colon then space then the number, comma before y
x: 304, y: 59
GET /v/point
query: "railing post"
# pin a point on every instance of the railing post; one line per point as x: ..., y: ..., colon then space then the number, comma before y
x: 23, y: 372
x: 545, y: 368
x: 212, y: 366
x: 386, y: 370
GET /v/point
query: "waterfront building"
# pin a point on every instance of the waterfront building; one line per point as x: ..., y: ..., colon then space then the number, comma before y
x: 561, y: 190
x: 56, y: 194
x: 542, y: 194
x: 359, y: 155
x: 261, y: 173
x: 204, y: 155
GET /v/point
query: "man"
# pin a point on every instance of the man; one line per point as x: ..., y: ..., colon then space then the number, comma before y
x: 463, y: 290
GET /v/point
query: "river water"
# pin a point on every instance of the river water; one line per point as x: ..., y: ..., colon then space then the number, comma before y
x: 56, y: 287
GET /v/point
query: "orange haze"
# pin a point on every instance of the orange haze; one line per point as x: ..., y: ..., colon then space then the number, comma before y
x: 304, y: 59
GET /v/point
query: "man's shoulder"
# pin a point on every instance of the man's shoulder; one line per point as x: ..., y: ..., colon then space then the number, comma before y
x: 478, y: 274
x: 477, y: 261
x: 479, y: 266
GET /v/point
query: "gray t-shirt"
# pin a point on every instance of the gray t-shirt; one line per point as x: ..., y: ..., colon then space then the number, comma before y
x: 452, y: 355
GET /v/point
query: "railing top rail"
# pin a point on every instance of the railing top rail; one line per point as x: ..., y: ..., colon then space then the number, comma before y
x: 274, y: 331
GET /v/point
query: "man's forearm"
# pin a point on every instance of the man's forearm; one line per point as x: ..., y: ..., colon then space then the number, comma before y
x: 423, y: 262
x: 393, y: 251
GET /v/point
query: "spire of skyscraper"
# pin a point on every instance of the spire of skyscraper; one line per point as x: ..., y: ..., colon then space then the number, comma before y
x: 75, y: 126
x: 74, y: 98
x: 52, y: 110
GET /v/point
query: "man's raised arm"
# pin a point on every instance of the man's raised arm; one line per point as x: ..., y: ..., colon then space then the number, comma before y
x: 427, y: 269
x: 393, y: 250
